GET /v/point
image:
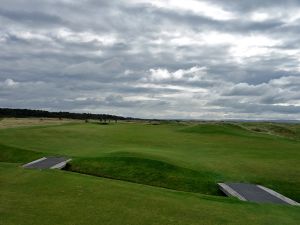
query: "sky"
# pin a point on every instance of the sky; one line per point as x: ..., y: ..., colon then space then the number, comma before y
x: 165, y: 59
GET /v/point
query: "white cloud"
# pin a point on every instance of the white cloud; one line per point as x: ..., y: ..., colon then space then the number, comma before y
x: 240, y: 46
x: 192, y: 74
x: 198, y: 7
x: 10, y: 83
x: 159, y: 74
x: 260, y: 16
x: 286, y: 81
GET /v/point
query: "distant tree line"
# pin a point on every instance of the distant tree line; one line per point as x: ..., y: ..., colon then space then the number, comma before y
x: 23, y: 113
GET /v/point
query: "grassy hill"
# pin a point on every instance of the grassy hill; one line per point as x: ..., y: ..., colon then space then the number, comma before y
x: 185, y: 157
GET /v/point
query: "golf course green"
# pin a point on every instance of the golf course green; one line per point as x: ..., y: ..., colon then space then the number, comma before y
x: 148, y: 173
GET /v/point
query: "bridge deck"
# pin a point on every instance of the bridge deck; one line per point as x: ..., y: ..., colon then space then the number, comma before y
x: 48, y: 163
x: 254, y: 193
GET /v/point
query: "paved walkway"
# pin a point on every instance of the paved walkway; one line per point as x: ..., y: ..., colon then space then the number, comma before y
x: 48, y: 163
x: 255, y: 193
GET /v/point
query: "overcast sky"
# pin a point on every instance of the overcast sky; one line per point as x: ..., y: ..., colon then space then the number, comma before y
x: 187, y: 59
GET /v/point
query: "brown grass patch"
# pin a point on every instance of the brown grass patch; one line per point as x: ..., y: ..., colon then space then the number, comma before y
x: 24, y: 122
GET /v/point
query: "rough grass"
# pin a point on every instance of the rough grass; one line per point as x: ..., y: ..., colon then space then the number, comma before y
x: 26, y: 122
x: 51, y: 197
x: 284, y: 130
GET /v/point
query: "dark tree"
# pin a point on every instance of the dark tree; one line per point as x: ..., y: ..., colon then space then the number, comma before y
x: 24, y: 113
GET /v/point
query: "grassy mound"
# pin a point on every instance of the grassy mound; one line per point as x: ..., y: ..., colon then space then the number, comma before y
x: 17, y: 155
x: 217, y: 129
x: 150, y: 172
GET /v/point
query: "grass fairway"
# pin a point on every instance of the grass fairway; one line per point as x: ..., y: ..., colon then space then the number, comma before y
x: 184, y: 157
x: 206, y: 153
x: 59, y: 197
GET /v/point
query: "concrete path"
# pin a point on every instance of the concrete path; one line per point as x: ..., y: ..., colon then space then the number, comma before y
x: 48, y: 163
x: 254, y: 193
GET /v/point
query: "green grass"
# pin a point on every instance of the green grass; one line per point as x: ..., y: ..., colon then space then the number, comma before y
x: 218, y: 128
x: 49, y: 197
x: 186, y: 157
x: 213, y: 151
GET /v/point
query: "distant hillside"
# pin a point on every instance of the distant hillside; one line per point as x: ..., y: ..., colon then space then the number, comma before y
x: 21, y: 113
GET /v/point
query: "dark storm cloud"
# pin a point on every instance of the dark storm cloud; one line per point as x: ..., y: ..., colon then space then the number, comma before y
x: 164, y: 59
